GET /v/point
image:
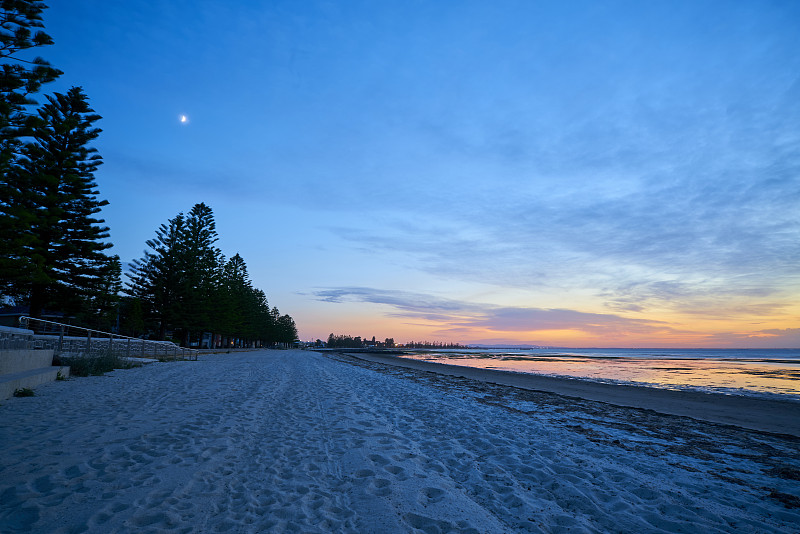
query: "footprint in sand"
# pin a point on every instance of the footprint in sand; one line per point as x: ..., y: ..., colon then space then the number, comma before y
x: 72, y: 472
x: 431, y: 495
x: 43, y: 485
x: 397, y: 471
x: 380, y: 487
x: 429, y: 524
x: 378, y: 459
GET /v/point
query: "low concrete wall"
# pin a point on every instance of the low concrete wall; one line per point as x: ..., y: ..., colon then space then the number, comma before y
x: 15, y: 338
x: 29, y: 379
x: 16, y: 331
x: 16, y: 361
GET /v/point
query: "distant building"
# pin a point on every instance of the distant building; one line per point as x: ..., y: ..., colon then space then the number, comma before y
x: 10, y: 315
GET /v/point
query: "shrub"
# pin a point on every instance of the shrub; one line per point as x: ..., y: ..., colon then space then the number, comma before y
x: 24, y: 392
x: 95, y: 365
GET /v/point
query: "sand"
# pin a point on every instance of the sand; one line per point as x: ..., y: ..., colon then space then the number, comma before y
x: 295, y: 441
x: 768, y: 415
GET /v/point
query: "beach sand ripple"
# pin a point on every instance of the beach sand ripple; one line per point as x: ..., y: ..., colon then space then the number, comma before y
x: 295, y: 441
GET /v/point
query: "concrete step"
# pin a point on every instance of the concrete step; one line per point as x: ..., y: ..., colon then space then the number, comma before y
x: 16, y: 361
x: 29, y: 378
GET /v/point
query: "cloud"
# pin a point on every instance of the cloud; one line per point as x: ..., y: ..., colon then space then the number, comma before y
x: 705, y: 298
x: 464, y: 317
x: 784, y: 338
x: 766, y: 338
x: 487, y: 323
x: 533, y: 319
x: 728, y: 235
x: 155, y: 172
x: 406, y: 303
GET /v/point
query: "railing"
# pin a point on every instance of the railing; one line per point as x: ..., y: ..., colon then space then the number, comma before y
x: 69, y: 341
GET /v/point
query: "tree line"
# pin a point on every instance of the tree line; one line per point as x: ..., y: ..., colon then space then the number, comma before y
x: 53, y: 244
x: 433, y: 345
x: 349, y: 342
x: 184, y: 284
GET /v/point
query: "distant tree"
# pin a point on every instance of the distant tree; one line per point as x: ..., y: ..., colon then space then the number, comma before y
x: 54, y: 254
x: 345, y: 342
x: 287, y: 330
x: 157, y: 278
x: 260, y: 325
x: 433, y: 345
x: 233, y: 295
x: 200, y: 264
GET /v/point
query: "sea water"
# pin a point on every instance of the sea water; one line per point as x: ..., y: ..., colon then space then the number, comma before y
x: 764, y: 373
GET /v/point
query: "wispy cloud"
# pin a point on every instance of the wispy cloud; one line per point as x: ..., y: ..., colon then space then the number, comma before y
x: 767, y: 338
x: 467, y: 317
x: 674, y: 244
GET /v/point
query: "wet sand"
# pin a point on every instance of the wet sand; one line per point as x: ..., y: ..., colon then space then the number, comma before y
x: 766, y: 415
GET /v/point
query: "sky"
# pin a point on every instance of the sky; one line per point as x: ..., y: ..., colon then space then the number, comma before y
x: 581, y: 174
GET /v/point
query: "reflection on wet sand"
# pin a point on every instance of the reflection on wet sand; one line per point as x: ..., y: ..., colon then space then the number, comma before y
x: 735, y: 375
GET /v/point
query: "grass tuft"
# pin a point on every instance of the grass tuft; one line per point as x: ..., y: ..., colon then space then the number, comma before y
x: 24, y: 392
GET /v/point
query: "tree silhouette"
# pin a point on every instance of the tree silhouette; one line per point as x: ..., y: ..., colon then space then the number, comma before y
x: 200, y: 264
x: 187, y: 286
x: 20, y: 23
x: 157, y: 278
x: 54, y: 255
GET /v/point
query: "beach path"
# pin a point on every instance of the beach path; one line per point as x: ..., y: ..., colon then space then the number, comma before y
x: 297, y: 441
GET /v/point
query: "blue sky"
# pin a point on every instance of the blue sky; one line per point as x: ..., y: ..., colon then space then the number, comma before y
x: 557, y: 173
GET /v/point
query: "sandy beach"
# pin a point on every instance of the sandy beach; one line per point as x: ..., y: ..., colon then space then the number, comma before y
x: 768, y: 415
x: 298, y: 441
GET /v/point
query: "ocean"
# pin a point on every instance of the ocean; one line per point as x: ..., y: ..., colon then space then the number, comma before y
x: 753, y: 372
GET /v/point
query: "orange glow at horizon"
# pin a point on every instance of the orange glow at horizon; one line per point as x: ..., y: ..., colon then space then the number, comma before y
x: 678, y: 332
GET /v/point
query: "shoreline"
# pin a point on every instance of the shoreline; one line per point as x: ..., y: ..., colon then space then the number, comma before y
x: 754, y: 413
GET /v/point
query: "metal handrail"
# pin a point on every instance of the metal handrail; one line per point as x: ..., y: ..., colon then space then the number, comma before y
x: 61, y: 339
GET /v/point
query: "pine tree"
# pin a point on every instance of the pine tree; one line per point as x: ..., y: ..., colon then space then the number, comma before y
x: 287, y: 331
x: 54, y: 256
x: 157, y: 279
x: 131, y: 317
x: 103, y: 300
x: 234, y: 290
x: 177, y: 279
x: 200, y: 266
x: 260, y: 324
x: 20, y: 23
